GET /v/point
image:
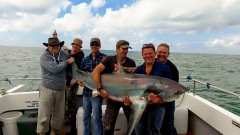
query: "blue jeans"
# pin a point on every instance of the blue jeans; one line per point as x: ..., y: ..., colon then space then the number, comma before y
x: 151, y: 120
x: 168, y: 121
x: 92, y: 105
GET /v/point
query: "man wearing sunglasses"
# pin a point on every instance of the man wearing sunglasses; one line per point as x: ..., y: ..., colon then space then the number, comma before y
x: 151, y: 120
x: 91, y: 104
x: 110, y: 64
x: 53, y: 63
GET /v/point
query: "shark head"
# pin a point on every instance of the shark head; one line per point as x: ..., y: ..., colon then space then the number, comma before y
x: 167, y: 89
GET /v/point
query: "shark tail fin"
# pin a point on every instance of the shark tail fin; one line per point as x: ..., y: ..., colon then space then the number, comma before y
x: 138, y: 107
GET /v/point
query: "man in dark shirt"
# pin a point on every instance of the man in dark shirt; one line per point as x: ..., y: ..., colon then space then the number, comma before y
x: 77, y: 53
x: 72, y: 87
x: 118, y: 63
x: 168, y: 121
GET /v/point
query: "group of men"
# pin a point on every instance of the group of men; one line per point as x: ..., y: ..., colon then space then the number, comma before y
x: 158, y: 117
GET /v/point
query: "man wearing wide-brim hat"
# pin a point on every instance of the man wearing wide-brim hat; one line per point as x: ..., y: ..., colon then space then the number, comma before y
x: 72, y: 86
x: 53, y: 63
x: 54, y: 41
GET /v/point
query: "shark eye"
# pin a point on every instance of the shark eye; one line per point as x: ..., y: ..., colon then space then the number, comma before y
x: 177, y: 93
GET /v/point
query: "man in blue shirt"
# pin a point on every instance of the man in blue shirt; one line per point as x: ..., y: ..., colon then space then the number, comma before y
x: 92, y: 104
x: 151, y: 120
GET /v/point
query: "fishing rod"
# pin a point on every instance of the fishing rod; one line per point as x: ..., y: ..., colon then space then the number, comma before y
x: 208, y: 85
x: 10, y: 79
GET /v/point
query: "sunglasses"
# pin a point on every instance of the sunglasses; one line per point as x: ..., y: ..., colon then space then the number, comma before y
x: 149, y: 45
x: 54, y: 45
x: 95, y: 44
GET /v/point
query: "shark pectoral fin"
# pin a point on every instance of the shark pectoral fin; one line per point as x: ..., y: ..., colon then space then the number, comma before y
x: 74, y: 70
x: 138, y: 106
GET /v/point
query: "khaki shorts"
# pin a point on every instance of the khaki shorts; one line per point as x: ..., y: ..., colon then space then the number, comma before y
x: 51, y: 105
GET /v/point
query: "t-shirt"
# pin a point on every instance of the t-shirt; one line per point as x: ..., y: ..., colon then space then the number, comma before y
x: 110, y: 61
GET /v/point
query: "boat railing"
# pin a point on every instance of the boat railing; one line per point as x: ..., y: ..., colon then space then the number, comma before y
x: 188, y: 78
x: 208, y: 85
x: 18, y: 85
x: 11, y: 79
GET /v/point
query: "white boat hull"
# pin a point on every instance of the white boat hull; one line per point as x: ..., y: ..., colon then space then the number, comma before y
x: 203, y: 117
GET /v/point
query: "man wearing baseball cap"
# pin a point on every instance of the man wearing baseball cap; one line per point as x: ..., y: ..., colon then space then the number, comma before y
x: 92, y: 104
x: 110, y: 64
x: 123, y: 44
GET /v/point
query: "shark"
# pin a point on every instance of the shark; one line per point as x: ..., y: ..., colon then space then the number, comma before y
x: 136, y: 86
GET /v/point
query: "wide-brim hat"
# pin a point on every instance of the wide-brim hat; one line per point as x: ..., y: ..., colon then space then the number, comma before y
x: 77, y: 41
x: 54, y: 41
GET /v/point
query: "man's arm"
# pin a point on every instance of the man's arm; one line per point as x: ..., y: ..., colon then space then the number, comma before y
x: 54, y: 67
x: 96, y: 76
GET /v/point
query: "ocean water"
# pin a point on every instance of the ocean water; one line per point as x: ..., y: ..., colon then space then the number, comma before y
x: 219, y: 70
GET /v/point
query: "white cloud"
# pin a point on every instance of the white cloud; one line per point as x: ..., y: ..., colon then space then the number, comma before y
x: 80, y: 18
x: 174, y: 16
x: 97, y: 3
x: 229, y: 45
x: 215, y: 43
x: 22, y: 15
x: 228, y: 42
x: 142, y: 21
x: 185, y: 16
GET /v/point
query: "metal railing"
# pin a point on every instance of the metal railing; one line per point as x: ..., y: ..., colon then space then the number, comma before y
x: 11, y: 79
x: 208, y: 85
x: 188, y: 78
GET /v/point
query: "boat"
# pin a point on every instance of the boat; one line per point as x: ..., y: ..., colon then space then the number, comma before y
x: 194, y: 115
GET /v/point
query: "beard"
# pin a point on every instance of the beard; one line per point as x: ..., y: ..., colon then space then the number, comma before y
x: 162, y: 59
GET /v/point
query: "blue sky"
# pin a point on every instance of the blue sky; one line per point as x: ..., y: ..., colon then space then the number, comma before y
x: 188, y: 26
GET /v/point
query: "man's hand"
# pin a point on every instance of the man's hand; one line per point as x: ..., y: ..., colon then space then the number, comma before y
x: 103, y: 93
x: 127, y: 101
x: 155, y: 98
x: 70, y: 60
x: 80, y: 83
x: 116, y: 67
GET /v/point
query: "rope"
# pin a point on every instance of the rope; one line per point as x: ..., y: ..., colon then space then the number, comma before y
x: 181, y: 101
